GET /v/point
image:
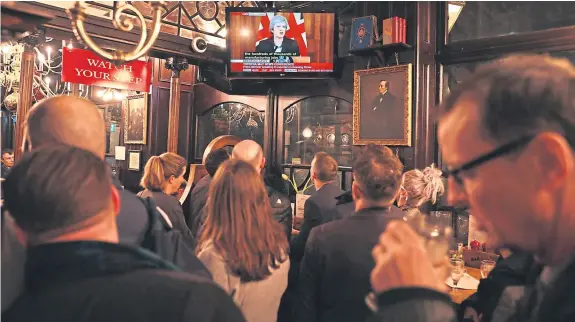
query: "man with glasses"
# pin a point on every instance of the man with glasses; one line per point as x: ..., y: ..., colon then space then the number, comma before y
x: 507, y: 135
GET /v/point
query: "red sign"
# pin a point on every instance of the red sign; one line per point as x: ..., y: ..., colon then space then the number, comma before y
x: 82, y: 66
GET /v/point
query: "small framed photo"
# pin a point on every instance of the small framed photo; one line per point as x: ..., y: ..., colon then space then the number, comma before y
x: 136, y: 119
x: 382, y: 106
x: 134, y: 160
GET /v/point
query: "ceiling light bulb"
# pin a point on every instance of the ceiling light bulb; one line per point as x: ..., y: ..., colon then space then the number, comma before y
x: 47, y: 80
x: 108, y: 96
x: 118, y: 95
x: 307, y: 133
x: 70, y: 46
x: 48, y: 49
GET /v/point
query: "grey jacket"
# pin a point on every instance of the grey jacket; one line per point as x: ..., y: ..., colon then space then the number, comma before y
x: 259, y: 301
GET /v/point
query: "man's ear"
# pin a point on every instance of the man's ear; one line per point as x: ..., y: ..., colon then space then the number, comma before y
x: 116, y: 200
x: 263, y: 163
x: 355, y: 191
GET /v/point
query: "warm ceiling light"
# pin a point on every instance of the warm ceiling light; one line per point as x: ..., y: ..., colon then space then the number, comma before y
x: 453, y: 10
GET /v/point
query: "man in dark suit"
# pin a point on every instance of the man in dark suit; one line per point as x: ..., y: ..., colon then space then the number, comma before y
x: 199, y: 195
x: 384, y: 113
x: 319, y: 206
x: 278, y: 43
x: 334, y: 273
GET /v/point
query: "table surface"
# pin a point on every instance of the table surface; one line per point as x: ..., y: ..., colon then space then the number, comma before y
x: 460, y: 295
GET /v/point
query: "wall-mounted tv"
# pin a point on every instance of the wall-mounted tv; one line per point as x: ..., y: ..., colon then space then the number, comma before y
x: 286, y: 44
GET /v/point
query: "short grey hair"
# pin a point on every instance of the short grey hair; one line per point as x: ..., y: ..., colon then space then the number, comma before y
x: 277, y: 19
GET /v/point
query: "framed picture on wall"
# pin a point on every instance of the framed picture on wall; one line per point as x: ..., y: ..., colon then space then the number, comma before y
x: 382, y: 106
x: 134, y: 160
x: 135, y: 119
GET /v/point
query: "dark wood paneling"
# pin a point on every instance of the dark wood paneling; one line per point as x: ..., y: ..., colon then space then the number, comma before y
x: 551, y: 40
x: 319, y: 30
x: 184, y: 124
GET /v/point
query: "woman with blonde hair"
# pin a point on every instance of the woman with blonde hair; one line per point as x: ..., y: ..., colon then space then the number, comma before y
x: 163, y: 176
x: 418, y: 187
x: 241, y: 245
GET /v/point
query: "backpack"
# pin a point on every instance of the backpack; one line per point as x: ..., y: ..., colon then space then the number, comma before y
x: 170, y: 244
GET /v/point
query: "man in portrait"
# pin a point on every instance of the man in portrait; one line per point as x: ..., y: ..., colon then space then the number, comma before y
x: 278, y: 42
x: 382, y: 117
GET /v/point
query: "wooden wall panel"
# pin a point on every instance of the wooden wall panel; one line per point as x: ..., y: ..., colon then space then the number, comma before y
x: 319, y: 29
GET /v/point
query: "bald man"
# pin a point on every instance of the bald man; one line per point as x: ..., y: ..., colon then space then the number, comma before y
x: 77, y: 122
x: 252, y: 153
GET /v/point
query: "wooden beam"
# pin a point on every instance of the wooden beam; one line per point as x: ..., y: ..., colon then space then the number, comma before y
x: 176, y: 65
x: 25, y: 96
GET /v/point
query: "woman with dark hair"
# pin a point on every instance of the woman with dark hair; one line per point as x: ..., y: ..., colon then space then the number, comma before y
x: 243, y: 247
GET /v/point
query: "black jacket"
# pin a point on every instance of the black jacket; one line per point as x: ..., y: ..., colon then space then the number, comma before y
x: 345, y: 206
x: 101, y: 282
x: 424, y: 305
x: 386, y: 121
x: 268, y: 46
x: 335, y: 270
x: 133, y: 218
x: 171, y: 206
x: 317, y: 210
x: 281, y: 209
x: 198, y: 199
x: 518, y: 269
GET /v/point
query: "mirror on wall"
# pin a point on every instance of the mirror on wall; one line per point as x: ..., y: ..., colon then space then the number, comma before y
x: 229, y: 118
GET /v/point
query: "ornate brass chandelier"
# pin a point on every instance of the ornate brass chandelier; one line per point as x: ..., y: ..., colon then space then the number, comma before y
x: 77, y: 15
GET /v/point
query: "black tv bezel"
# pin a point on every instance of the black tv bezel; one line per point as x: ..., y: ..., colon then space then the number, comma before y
x: 274, y: 75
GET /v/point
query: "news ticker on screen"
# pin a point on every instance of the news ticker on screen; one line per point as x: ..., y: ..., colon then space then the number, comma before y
x: 276, y: 62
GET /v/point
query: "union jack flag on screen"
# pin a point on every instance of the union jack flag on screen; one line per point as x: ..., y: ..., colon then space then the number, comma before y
x: 295, y: 30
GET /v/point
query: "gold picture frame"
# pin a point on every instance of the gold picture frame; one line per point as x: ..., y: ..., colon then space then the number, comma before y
x: 382, y: 118
x: 135, y: 110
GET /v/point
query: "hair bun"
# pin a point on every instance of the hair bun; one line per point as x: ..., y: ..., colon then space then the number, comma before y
x: 431, y: 173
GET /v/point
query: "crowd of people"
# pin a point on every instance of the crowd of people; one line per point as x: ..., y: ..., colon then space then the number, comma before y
x: 76, y: 246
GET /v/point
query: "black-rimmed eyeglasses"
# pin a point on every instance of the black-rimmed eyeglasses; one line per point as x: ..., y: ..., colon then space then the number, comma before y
x: 496, y: 153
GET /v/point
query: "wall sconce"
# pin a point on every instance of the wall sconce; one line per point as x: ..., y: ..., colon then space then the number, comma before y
x: 454, y: 8
x: 78, y: 15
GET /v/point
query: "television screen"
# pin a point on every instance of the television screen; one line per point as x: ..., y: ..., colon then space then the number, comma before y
x: 280, y: 44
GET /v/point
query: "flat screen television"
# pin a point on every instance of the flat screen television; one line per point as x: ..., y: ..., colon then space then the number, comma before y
x: 285, y: 44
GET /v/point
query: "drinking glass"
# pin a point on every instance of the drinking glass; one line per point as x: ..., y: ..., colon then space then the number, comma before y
x: 437, y: 237
x: 486, y: 267
x: 457, y: 271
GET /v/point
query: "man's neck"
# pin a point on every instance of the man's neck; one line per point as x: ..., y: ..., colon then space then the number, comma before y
x: 365, y: 204
x: 319, y: 184
x: 103, y: 231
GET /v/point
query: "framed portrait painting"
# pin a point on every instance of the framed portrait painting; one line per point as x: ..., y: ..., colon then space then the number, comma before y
x: 135, y: 119
x: 382, y: 106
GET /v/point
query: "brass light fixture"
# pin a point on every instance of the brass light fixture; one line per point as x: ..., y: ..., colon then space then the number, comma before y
x: 78, y: 15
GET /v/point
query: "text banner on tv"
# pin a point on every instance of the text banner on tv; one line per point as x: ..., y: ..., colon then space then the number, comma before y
x: 81, y: 66
x: 288, y: 68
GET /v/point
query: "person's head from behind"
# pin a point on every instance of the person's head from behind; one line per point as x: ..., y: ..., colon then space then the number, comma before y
x: 323, y: 169
x: 67, y: 120
x: 251, y: 152
x: 62, y: 193
x: 377, y: 178
x: 8, y: 158
x: 215, y: 159
x: 507, y: 135
x: 419, y: 187
x: 278, y: 26
x: 239, y: 222
x: 164, y: 173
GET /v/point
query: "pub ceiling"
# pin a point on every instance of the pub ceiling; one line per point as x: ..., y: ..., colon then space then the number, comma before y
x: 183, y: 18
